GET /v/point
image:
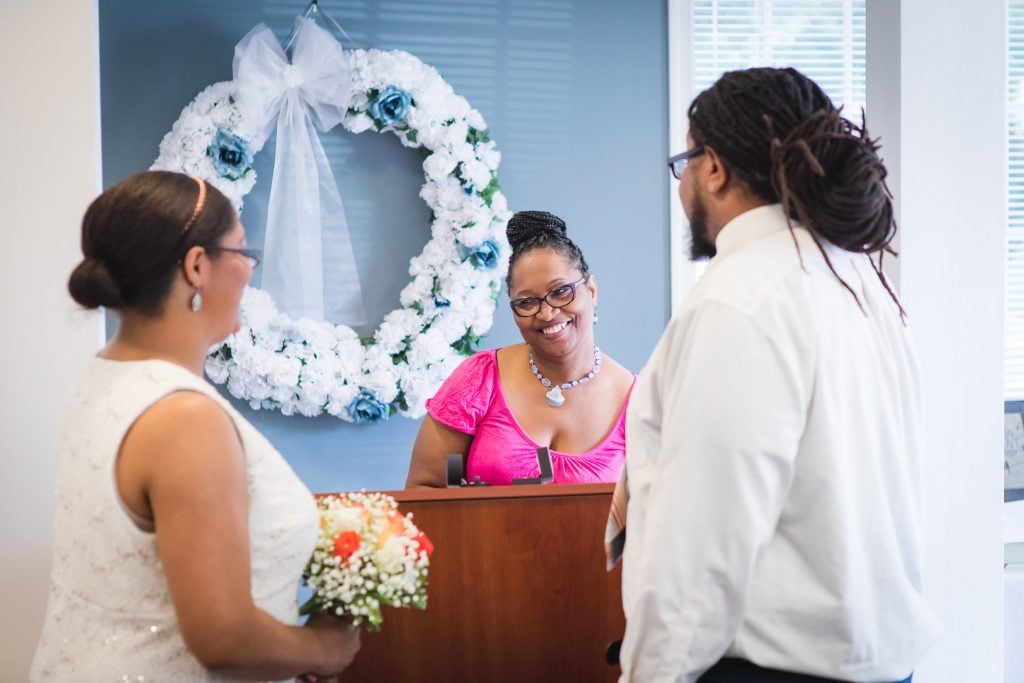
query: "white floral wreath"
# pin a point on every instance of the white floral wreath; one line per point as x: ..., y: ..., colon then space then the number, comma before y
x: 310, y: 367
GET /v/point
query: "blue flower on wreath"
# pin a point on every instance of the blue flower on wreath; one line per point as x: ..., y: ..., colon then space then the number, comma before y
x: 366, y: 407
x: 390, y: 105
x: 485, y: 255
x: 232, y: 156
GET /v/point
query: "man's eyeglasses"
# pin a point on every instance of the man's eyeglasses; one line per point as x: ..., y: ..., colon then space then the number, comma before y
x: 253, y: 256
x: 677, y: 164
x: 557, y: 298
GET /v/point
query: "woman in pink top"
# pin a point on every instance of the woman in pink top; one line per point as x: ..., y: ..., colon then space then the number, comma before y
x: 556, y: 389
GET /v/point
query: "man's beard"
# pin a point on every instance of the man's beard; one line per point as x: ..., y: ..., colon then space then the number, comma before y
x: 701, y: 248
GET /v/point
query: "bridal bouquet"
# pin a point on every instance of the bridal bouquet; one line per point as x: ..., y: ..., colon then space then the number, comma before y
x: 367, y: 555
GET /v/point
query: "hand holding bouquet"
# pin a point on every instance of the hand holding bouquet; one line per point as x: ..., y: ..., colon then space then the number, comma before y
x: 367, y: 555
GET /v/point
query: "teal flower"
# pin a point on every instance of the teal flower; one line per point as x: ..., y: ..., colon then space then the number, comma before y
x: 366, y: 407
x: 232, y: 156
x: 389, y: 106
x: 485, y: 256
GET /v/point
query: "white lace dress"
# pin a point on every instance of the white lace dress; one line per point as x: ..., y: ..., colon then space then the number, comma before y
x: 110, y: 616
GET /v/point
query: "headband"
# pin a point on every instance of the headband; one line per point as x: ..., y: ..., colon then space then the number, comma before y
x: 199, y: 204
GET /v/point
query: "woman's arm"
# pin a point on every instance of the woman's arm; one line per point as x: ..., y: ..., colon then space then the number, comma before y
x: 434, y: 443
x: 186, y: 456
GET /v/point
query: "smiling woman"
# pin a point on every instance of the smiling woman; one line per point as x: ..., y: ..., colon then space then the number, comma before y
x: 554, y: 390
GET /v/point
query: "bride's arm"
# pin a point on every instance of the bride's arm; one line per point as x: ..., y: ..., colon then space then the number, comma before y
x: 185, y: 459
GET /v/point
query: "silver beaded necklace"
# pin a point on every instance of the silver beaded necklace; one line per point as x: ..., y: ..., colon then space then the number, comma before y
x: 554, y: 394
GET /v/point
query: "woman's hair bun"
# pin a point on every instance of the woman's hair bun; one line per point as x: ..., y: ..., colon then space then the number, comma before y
x: 526, y: 224
x: 92, y: 285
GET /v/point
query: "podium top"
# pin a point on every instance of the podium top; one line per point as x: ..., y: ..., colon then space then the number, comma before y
x: 492, y: 492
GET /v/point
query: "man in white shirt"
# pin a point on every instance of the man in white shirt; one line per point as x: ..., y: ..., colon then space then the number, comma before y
x: 774, y: 437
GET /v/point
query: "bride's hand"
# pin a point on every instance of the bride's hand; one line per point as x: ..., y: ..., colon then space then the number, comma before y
x: 341, y: 643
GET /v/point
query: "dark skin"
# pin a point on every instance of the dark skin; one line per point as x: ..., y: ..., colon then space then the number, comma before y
x: 562, y: 340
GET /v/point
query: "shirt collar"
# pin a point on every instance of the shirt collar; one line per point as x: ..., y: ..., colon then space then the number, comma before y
x: 750, y: 226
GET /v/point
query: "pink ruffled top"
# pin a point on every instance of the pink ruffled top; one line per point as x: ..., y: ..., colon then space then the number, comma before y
x: 471, y: 401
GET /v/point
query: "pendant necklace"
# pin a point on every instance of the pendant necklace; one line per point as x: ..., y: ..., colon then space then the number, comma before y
x: 554, y: 394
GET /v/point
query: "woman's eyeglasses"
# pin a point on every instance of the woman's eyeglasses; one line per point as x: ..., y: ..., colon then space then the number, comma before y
x: 253, y: 256
x: 557, y: 298
x: 677, y: 164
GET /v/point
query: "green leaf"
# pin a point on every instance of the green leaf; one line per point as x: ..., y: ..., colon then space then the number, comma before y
x: 411, y: 136
x: 311, y: 606
x: 401, y: 401
x: 487, y: 194
x: 367, y: 341
x: 466, y: 345
x: 476, y: 136
x: 417, y: 306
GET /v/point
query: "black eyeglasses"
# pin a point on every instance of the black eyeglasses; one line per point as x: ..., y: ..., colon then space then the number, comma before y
x: 253, y: 256
x: 677, y: 164
x: 557, y: 298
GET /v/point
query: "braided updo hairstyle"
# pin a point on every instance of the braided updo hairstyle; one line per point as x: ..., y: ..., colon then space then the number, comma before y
x: 134, y: 234
x: 529, y: 230
x: 780, y: 134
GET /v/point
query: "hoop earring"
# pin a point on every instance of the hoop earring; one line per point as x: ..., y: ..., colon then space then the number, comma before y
x: 197, y: 301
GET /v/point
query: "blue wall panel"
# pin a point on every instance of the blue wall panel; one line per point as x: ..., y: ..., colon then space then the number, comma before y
x: 575, y: 93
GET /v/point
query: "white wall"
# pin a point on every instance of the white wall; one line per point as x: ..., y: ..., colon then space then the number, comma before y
x: 953, y: 215
x: 49, y: 118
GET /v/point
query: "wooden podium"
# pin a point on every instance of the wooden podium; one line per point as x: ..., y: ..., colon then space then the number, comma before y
x: 518, y: 590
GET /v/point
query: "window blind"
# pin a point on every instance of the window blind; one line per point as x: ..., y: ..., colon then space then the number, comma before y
x: 824, y: 39
x: 1013, y: 353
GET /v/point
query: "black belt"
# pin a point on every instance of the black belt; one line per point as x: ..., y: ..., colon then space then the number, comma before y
x: 732, y: 670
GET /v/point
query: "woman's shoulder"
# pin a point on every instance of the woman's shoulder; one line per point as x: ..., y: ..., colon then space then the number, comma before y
x: 481, y: 363
x: 466, y: 396
x: 165, y: 393
x: 623, y: 379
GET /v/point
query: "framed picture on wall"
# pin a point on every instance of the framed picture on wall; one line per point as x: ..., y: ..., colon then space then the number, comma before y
x: 1013, y: 451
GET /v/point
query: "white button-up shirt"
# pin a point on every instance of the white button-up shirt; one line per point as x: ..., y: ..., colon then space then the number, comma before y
x: 775, y: 467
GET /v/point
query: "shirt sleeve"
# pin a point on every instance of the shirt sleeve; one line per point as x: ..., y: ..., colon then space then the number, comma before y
x: 716, y: 470
x: 465, y: 397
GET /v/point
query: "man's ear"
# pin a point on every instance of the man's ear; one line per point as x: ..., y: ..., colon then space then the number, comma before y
x: 717, y: 175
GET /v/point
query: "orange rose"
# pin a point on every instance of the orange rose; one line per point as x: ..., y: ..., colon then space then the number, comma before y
x: 395, y: 527
x: 346, y: 543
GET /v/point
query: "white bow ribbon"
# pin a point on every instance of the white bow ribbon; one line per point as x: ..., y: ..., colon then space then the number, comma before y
x: 307, y: 234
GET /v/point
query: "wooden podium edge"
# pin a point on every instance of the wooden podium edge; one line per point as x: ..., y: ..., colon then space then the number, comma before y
x: 492, y: 492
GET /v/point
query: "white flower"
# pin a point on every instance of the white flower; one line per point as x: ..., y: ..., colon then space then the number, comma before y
x: 439, y: 166
x: 429, y: 347
x: 477, y: 173
x: 285, y: 372
x: 359, y: 123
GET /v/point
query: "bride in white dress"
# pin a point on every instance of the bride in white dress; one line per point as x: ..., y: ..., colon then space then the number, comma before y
x: 181, y: 533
